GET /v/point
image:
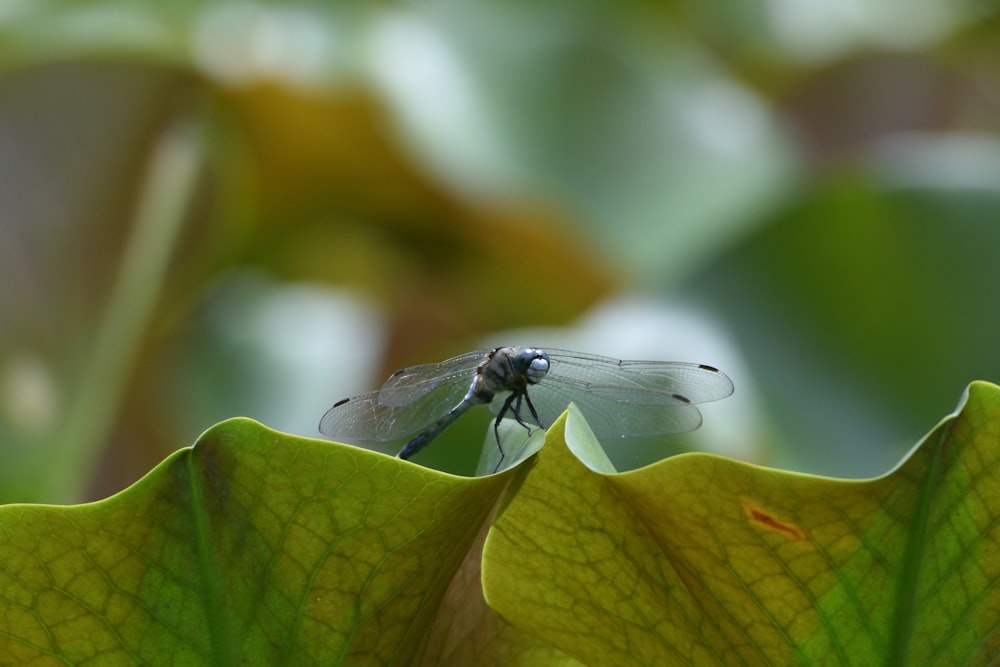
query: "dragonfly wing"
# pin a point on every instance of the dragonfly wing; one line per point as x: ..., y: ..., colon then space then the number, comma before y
x: 638, y: 382
x: 610, y: 418
x: 367, y: 418
x: 357, y: 418
x: 407, y: 385
x: 626, y: 398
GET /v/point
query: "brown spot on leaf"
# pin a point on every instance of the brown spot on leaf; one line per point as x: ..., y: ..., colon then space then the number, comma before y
x: 768, y: 521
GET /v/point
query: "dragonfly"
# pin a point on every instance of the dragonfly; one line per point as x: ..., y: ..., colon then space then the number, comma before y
x: 533, y: 386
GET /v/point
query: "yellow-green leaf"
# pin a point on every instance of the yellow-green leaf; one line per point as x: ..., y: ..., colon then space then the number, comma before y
x: 707, y: 561
x: 253, y: 547
x: 260, y: 548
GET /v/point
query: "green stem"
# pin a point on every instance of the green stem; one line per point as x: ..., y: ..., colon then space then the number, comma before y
x: 168, y: 187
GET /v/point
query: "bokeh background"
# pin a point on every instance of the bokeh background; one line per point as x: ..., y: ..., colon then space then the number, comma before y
x: 211, y: 209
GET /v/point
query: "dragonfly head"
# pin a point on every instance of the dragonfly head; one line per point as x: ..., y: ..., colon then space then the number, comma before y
x: 532, y: 363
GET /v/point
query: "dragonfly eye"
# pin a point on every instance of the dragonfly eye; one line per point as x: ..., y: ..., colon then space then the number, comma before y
x: 533, y: 363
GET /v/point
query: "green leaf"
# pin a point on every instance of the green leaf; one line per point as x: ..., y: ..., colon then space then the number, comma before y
x: 256, y: 547
x: 253, y: 547
x: 704, y: 560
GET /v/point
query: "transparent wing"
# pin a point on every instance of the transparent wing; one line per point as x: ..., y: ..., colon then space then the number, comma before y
x: 626, y: 398
x: 406, y: 386
x: 639, y: 382
x: 367, y: 418
x: 609, y: 419
x: 409, y: 401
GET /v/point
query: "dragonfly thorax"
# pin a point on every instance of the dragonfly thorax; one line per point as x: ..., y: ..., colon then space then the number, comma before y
x: 508, y: 369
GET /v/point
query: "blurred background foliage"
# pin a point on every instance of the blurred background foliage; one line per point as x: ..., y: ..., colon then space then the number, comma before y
x: 211, y: 209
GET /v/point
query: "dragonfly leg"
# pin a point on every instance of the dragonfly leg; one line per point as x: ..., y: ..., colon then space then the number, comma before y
x: 504, y: 409
x: 513, y: 404
x: 534, y: 412
x: 517, y: 411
